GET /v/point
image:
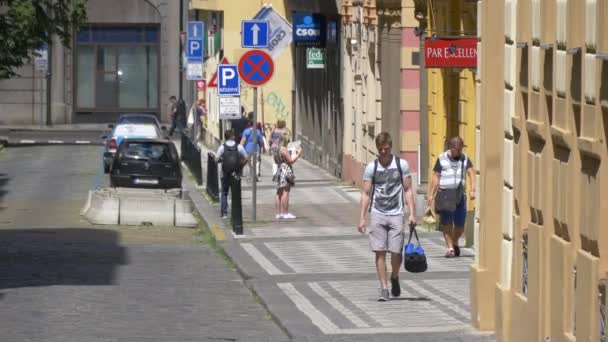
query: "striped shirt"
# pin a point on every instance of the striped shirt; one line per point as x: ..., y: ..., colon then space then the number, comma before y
x: 451, y: 170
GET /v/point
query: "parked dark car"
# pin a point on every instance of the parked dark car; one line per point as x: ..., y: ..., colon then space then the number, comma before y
x: 146, y: 163
x: 124, y: 131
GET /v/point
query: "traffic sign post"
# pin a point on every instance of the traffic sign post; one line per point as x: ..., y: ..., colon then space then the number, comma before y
x: 201, y: 85
x: 254, y: 34
x: 256, y: 68
x: 230, y: 107
x: 194, y: 46
x: 213, y: 81
x: 195, y: 50
x: 228, y: 80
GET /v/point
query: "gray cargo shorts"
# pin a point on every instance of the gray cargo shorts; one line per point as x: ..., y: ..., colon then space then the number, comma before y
x: 386, y: 233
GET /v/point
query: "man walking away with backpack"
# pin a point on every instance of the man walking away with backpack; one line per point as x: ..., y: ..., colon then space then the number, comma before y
x: 386, y: 181
x: 233, y: 157
x: 178, y: 120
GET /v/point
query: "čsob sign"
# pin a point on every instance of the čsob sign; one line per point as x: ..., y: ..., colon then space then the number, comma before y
x: 308, y: 27
x: 450, y: 52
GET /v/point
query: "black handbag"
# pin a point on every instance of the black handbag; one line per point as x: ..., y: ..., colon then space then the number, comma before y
x: 449, y: 199
x: 414, y: 257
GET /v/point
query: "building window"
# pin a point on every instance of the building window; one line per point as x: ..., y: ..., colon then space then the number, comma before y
x: 117, y: 69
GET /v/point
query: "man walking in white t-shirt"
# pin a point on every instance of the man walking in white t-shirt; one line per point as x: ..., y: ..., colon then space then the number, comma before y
x: 385, y: 182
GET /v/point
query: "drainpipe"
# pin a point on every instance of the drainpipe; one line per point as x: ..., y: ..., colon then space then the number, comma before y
x: 421, y: 15
x: 49, y: 73
x: 181, y: 29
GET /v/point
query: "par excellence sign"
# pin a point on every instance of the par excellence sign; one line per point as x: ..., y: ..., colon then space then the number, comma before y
x: 450, y: 52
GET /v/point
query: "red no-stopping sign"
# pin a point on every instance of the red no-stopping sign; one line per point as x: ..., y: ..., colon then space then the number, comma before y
x: 256, y: 67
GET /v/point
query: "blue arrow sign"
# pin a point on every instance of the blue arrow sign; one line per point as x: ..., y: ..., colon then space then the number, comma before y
x: 254, y: 34
x: 194, y: 44
x: 195, y: 30
x: 228, y: 82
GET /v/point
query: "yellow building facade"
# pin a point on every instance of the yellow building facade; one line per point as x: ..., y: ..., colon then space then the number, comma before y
x: 275, y: 97
x: 451, y: 93
x: 541, y: 267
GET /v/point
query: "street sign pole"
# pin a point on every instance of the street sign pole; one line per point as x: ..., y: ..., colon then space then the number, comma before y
x: 256, y: 68
x: 255, y: 150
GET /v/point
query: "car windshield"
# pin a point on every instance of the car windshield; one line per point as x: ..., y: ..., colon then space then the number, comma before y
x: 128, y: 130
x: 149, y: 151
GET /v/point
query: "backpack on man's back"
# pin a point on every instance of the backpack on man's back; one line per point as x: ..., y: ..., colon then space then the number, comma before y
x: 231, y: 159
x: 180, y: 110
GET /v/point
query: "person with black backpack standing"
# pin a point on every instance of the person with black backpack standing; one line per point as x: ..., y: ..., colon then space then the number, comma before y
x: 386, y: 181
x: 233, y: 157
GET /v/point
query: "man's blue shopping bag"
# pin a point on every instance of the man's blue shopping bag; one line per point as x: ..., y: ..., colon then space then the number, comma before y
x: 414, y: 258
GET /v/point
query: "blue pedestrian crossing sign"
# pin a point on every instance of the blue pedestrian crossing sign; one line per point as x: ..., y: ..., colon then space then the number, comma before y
x: 194, y: 46
x: 228, y: 81
x: 254, y: 34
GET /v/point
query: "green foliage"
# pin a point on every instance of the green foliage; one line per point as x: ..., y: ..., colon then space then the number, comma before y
x: 24, y: 25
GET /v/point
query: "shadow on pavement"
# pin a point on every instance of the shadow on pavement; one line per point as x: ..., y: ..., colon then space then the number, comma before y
x: 4, y: 179
x: 44, y: 257
x: 412, y: 299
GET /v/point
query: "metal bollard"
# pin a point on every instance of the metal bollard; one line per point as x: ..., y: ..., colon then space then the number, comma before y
x: 236, y: 208
x: 212, y: 189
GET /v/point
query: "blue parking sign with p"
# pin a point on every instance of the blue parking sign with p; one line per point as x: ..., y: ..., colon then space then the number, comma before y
x: 228, y: 82
x: 194, y: 44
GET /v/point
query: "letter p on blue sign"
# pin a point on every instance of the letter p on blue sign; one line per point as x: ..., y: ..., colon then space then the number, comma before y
x: 229, y: 83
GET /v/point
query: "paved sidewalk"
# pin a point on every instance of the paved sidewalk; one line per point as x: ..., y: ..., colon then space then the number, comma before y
x: 316, y: 274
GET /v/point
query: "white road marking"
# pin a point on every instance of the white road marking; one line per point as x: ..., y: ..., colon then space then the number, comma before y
x: 336, y: 256
x: 83, y: 141
x: 423, y: 291
x: 26, y: 141
x: 395, y: 317
x: 358, y: 322
x: 55, y: 141
x: 317, y: 317
x: 261, y: 259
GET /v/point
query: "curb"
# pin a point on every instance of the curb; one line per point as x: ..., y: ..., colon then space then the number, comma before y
x: 61, y: 127
x: 225, y: 240
x: 29, y: 142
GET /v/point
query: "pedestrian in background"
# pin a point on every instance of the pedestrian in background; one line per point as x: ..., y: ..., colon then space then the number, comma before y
x: 253, y: 140
x: 239, y: 125
x: 201, y: 111
x: 179, y: 118
x: 171, y: 108
x: 201, y: 115
x: 386, y: 181
x: 448, y: 191
x: 285, y: 177
x: 275, y: 141
x: 233, y: 157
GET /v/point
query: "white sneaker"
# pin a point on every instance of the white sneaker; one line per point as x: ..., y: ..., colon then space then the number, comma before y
x: 289, y: 216
x: 278, y: 216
